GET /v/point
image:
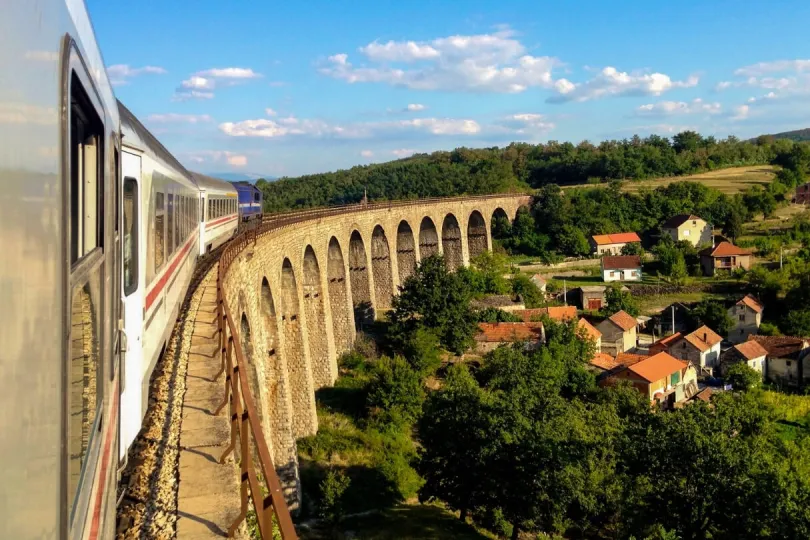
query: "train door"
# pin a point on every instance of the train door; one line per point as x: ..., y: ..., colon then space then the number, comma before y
x: 133, y: 288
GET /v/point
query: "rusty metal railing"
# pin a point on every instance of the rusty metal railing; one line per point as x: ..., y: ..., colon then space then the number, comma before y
x: 245, y: 423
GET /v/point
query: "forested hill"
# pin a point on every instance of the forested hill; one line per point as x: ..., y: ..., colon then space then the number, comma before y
x: 797, y: 135
x: 520, y: 166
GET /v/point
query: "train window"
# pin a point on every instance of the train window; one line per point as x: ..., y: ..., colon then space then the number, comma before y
x: 256, y: 197
x: 130, y: 236
x: 159, y: 231
x: 210, y: 209
x: 86, y: 174
x: 202, y: 209
x: 170, y: 223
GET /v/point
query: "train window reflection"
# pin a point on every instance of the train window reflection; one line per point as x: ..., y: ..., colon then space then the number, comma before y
x: 171, y: 224
x: 85, y: 385
x: 159, y: 231
x: 130, y: 236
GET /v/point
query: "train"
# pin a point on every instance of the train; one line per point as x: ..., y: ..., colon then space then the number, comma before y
x: 250, y: 201
x: 101, y: 228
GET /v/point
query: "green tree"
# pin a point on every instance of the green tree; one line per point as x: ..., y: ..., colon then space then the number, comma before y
x: 632, y: 248
x: 743, y: 377
x: 395, y: 393
x: 495, y: 315
x: 617, y: 300
x: 423, y: 351
x: 492, y: 267
x: 572, y: 241
x: 733, y: 227
x: 436, y: 299
x: 333, y: 490
x: 714, y: 315
x: 796, y: 323
x: 523, y: 285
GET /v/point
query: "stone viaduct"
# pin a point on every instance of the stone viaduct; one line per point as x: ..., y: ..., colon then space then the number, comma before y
x: 299, y: 293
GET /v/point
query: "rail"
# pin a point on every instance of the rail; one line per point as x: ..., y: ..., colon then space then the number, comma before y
x: 245, y: 422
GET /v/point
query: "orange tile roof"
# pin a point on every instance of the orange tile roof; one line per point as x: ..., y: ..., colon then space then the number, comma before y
x: 705, y: 394
x: 657, y: 367
x: 669, y: 340
x: 620, y: 262
x: 751, y: 302
x: 623, y: 320
x: 508, y: 332
x: 590, y: 329
x: 725, y: 249
x: 603, y: 361
x: 628, y: 359
x: 615, y: 238
x: 704, y: 338
x: 556, y: 313
x: 751, y: 349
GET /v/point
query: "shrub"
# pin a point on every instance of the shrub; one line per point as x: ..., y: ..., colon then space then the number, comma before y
x: 743, y: 377
x: 333, y: 489
x: 423, y: 351
x: 395, y: 393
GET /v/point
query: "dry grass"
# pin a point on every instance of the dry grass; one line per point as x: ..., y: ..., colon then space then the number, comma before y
x: 730, y: 181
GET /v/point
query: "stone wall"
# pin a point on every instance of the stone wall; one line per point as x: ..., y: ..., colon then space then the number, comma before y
x: 298, y: 286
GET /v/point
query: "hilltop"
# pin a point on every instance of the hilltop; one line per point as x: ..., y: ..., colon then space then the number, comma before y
x: 796, y: 135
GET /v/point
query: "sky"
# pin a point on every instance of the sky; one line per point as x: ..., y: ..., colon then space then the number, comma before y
x: 272, y: 88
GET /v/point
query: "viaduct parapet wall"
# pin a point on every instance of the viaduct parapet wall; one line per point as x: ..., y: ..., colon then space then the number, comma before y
x: 301, y: 291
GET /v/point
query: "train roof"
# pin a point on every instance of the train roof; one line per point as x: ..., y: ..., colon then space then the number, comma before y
x: 136, y: 134
x: 209, y: 182
x: 244, y: 186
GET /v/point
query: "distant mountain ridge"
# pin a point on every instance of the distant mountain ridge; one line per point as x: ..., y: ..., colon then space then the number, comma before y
x: 241, y: 177
x: 796, y: 135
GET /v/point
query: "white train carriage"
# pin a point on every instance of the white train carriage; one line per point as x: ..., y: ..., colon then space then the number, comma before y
x: 59, y: 276
x: 160, y: 241
x: 220, y: 211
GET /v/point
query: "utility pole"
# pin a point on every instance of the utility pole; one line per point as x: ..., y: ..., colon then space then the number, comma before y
x: 673, y: 318
x: 565, y: 293
x: 780, y: 256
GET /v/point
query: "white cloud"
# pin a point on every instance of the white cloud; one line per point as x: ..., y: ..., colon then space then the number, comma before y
x: 403, y: 152
x: 526, y: 124
x: 270, y: 112
x: 761, y: 68
x: 120, y: 74
x: 415, y: 107
x: 218, y: 156
x: 292, y: 126
x: 477, y: 63
x: 237, y: 160
x: 200, y: 85
x: 741, y: 112
x: 367, y: 154
x: 612, y: 82
x: 179, y: 118
x: 673, y: 108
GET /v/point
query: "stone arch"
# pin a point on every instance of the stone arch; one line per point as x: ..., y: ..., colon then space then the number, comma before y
x: 316, y: 321
x: 406, y: 251
x: 295, y: 354
x: 381, y: 268
x: 338, y: 297
x: 499, y: 222
x: 359, y: 278
x: 428, y: 238
x: 477, y: 234
x: 451, y: 242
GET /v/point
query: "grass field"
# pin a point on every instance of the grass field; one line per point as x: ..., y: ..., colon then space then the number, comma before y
x: 730, y: 181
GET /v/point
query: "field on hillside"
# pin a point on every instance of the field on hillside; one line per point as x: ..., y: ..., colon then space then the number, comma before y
x: 730, y: 181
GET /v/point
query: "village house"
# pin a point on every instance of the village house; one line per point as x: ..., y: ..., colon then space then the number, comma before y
x: 621, y: 268
x: 504, y: 302
x: 658, y: 377
x: 802, y: 194
x: 724, y: 257
x: 788, y: 359
x: 688, y: 227
x: 592, y: 297
x: 747, y: 315
x: 493, y: 335
x: 540, y: 282
x: 605, y: 365
x: 673, y: 318
x: 750, y: 352
x: 663, y: 344
x: 591, y: 332
x: 612, y: 244
x: 618, y: 333
x: 701, y: 347
x: 555, y: 313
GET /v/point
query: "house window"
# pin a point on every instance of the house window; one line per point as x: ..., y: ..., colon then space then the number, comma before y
x: 787, y: 363
x: 742, y: 318
x: 686, y: 232
x: 675, y: 378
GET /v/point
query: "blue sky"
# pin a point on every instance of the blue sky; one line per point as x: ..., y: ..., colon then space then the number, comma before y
x: 288, y: 88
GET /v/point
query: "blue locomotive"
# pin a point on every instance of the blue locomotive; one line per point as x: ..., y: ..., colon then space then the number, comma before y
x: 250, y: 201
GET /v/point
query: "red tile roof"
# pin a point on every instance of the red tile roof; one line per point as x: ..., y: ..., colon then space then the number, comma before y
x: 615, y: 238
x: 657, y: 367
x: 590, y: 329
x: 750, y: 350
x: 725, y: 249
x: 664, y: 343
x: 751, y: 302
x: 623, y: 320
x: 603, y: 361
x: 620, y: 262
x: 556, y: 313
x: 704, y: 338
x: 781, y: 346
x: 628, y: 359
x: 705, y: 394
x: 508, y: 332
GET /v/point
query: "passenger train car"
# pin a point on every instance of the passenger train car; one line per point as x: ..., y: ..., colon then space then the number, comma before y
x: 100, y: 231
x: 250, y: 201
x: 218, y: 203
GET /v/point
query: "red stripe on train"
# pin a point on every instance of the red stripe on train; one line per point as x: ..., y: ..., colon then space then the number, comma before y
x: 152, y: 295
x: 102, y: 477
x: 219, y: 221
